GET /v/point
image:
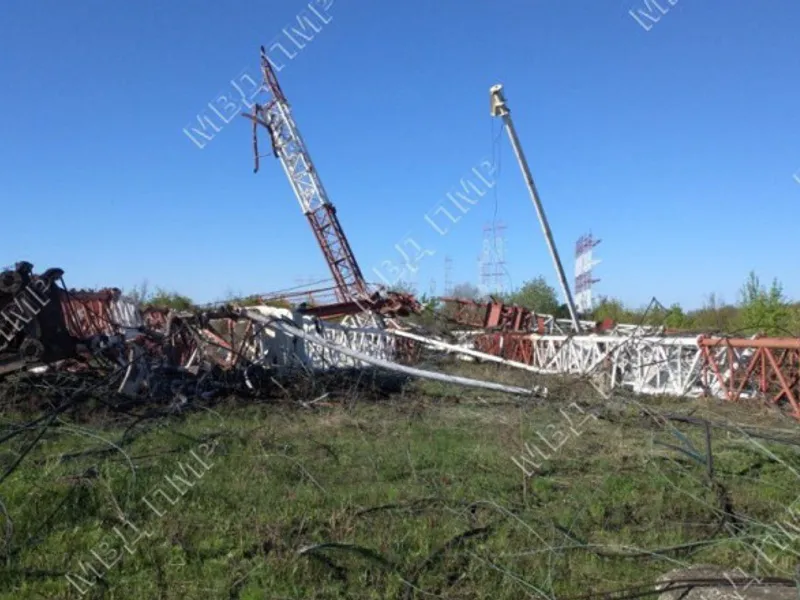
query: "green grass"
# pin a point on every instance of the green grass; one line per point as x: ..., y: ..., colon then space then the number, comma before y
x: 412, y: 496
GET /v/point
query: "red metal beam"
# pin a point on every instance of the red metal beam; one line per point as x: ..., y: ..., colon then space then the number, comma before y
x: 783, y: 343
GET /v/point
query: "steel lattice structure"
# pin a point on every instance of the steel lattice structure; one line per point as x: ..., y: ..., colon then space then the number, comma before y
x: 584, y: 263
x: 645, y: 359
x: 673, y: 365
x: 147, y: 352
x: 287, y: 145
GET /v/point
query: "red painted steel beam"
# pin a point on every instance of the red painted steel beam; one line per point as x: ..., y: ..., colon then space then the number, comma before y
x: 393, y: 304
x: 780, y: 343
x: 775, y: 377
x: 497, y: 315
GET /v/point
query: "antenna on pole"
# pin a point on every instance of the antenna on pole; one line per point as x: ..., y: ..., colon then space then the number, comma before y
x: 498, y: 108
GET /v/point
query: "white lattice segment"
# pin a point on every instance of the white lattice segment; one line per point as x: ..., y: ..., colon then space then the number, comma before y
x: 125, y: 313
x: 291, y: 152
x: 642, y: 362
x: 656, y: 365
x: 273, y: 348
x: 373, y: 342
x: 568, y: 355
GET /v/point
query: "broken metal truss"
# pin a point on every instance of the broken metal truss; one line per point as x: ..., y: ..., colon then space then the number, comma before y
x: 274, y: 114
x: 509, y: 317
x: 494, y: 315
x: 644, y: 359
x: 157, y: 353
x: 726, y: 368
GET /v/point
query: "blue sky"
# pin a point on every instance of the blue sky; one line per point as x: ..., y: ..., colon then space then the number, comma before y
x: 675, y: 145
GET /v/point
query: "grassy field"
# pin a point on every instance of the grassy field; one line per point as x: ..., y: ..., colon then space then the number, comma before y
x: 412, y: 494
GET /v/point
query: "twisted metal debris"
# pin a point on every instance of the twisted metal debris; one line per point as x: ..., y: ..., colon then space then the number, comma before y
x: 646, y: 360
x: 160, y: 354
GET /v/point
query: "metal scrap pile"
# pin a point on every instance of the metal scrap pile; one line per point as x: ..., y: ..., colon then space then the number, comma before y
x: 161, y: 354
x: 46, y: 327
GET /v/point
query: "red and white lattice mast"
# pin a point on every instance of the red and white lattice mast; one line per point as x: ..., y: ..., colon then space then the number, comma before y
x: 287, y: 145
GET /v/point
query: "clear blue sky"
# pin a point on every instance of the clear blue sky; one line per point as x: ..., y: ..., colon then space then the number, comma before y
x: 676, y: 145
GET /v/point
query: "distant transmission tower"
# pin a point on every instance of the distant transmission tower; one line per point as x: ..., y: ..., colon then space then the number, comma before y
x: 584, y: 263
x: 448, y: 275
x: 301, y: 282
x: 491, y: 263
